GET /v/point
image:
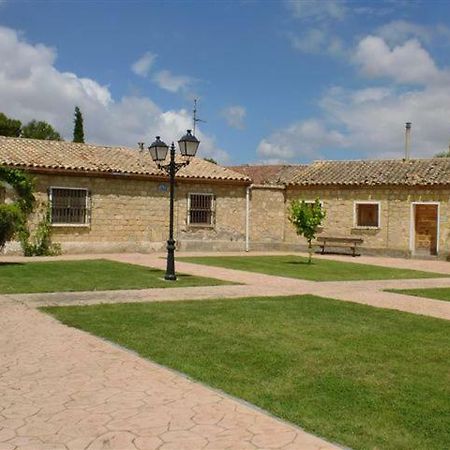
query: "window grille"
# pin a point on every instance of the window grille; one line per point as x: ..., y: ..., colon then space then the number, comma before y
x: 69, y: 206
x: 201, y: 209
x: 367, y: 215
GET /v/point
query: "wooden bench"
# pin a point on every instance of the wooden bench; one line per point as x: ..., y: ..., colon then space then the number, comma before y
x: 346, y: 242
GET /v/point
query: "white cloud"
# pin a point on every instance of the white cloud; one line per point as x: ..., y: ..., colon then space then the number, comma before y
x: 406, y: 63
x: 317, y: 9
x: 143, y: 65
x: 370, y: 121
x: 398, y: 31
x: 300, y: 140
x: 317, y: 40
x: 235, y: 116
x: 31, y: 87
x: 172, y: 83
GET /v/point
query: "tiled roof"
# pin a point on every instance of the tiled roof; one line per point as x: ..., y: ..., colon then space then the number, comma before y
x: 56, y: 155
x: 414, y: 172
x: 269, y: 174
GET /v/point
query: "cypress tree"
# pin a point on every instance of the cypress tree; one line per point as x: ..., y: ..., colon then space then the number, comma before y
x: 78, y: 132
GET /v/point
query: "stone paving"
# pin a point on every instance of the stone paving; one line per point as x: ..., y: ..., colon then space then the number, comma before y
x: 255, y: 284
x: 61, y: 388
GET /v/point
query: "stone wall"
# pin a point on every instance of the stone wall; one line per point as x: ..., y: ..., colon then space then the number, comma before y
x: 267, y: 220
x: 393, y: 234
x: 132, y: 215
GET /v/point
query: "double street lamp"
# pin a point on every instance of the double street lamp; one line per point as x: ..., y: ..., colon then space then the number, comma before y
x: 158, y: 150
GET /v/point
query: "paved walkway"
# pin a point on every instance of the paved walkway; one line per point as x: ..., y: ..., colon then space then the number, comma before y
x: 255, y: 284
x: 61, y: 388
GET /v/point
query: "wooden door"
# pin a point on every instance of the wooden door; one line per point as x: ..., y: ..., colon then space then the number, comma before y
x: 426, y: 229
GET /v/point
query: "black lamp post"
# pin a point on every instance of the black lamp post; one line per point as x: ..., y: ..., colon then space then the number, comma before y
x: 158, y: 150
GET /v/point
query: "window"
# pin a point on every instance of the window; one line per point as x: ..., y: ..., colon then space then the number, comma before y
x: 201, y: 209
x: 367, y: 215
x: 69, y: 206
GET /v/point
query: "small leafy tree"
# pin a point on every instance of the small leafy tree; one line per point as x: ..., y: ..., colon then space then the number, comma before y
x: 9, y: 127
x: 306, y: 218
x: 40, y: 130
x: 78, y: 130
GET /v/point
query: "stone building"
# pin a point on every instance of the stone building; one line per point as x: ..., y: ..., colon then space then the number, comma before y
x: 109, y: 199
x: 398, y: 207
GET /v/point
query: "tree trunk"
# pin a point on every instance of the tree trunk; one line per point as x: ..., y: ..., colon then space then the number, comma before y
x: 309, y: 251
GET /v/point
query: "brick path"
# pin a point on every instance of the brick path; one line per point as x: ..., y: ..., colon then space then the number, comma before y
x: 61, y: 388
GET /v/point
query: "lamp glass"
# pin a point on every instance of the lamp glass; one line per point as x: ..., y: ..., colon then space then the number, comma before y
x: 188, y: 145
x: 158, y: 150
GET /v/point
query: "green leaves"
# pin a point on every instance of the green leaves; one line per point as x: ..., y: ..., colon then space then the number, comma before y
x: 306, y: 218
x: 13, y: 216
x: 40, y: 130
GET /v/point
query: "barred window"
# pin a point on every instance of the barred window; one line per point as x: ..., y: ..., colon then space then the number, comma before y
x: 201, y: 209
x: 69, y: 206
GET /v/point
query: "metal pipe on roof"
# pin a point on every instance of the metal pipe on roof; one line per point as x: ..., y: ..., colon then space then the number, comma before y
x: 407, y: 139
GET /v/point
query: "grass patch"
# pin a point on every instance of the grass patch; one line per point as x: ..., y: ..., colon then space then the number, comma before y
x: 319, y: 270
x: 361, y: 376
x: 88, y: 275
x: 434, y: 293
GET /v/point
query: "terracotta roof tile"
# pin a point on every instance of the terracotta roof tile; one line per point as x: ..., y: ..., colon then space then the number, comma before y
x: 269, y: 174
x: 33, y: 153
x: 414, y: 172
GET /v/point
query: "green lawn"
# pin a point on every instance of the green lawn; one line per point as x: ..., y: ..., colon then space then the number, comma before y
x: 434, y: 293
x: 319, y: 270
x: 360, y: 376
x: 88, y: 275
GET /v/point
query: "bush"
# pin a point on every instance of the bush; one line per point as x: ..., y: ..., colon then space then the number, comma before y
x: 41, y: 243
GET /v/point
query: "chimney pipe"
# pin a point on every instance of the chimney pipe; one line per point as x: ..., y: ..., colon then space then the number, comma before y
x: 407, y: 139
x: 141, y: 146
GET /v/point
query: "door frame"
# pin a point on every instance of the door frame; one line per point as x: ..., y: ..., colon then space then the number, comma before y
x: 412, y: 225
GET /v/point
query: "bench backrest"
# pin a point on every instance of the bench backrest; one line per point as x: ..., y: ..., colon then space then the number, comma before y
x: 345, y: 240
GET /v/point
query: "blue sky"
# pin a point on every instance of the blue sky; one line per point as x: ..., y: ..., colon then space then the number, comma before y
x: 289, y: 81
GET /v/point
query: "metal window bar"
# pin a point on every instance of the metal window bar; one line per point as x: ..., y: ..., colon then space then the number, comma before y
x: 201, y: 210
x: 69, y: 206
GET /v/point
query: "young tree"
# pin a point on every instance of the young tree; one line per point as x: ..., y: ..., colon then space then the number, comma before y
x: 40, y: 130
x: 78, y: 131
x: 306, y: 218
x: 9, y: 127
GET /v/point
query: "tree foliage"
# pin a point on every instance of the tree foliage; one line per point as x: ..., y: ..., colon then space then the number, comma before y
x: 306, y: 218
x: 78, y: 130
x: 32, y: 130
x: 211, y: 160
x: 40, y: 130
x: 443, y: 154
x: 9, y: 127
x: 13, y: 216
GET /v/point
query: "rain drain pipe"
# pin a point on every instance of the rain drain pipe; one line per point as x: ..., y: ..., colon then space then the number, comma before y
x: 247, y: 218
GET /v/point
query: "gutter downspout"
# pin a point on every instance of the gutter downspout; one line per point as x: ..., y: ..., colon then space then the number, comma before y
x: 247, y: 218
